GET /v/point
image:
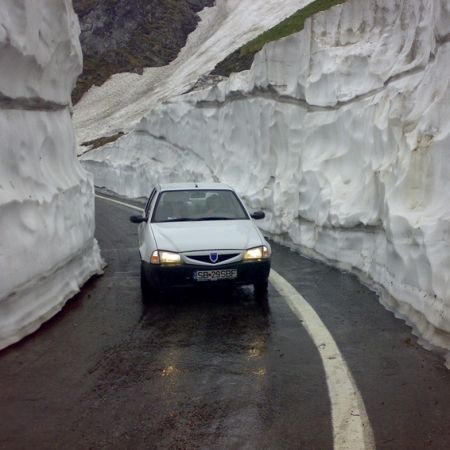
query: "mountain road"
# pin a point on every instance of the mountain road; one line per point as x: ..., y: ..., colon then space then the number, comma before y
x: 206, y: 369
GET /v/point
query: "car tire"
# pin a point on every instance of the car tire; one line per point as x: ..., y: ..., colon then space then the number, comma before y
x: 260, y: 290
x: 148, y: 292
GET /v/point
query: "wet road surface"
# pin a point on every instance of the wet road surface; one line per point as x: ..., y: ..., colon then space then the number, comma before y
x: 213, y: 369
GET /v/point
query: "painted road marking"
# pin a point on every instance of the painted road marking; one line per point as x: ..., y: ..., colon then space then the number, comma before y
x: 351, y: 425
x: 120, y: 203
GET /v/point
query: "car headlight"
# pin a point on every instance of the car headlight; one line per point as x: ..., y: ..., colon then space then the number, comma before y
x: 253, y: 254
x: 165, y: 258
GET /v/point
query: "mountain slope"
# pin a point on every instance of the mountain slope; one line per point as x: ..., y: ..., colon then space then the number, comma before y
x: 128, y: 35
x: 120, y: 103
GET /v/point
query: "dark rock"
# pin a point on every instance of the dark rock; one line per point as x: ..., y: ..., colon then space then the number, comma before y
x: 234, y: 62
x: 128, y: 35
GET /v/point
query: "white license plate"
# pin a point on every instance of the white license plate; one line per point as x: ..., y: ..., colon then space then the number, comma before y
x: 215, y: 275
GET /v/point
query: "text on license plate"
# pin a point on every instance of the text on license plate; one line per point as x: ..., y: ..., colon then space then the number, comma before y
x: 214, y: 275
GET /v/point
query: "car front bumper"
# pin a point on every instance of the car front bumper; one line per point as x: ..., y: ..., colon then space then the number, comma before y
x: 166, y: 277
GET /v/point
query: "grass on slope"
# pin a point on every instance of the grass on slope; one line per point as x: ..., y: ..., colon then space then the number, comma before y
x: 242, y: 59
x: 291, y: 25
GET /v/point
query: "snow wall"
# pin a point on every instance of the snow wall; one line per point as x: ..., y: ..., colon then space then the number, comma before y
x: 47, y: 245
x: 341, y: 133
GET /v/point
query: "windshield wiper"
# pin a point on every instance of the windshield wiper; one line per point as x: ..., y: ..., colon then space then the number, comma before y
x: 179, y: 219
x: 196, y: 219
x: 214, y: 218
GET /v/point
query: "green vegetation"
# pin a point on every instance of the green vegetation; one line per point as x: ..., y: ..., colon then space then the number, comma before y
x: 291, y: 25
x: 233, y: 63
x: 242, y: 59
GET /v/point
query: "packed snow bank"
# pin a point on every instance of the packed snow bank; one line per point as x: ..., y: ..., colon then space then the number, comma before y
x: 140, y: 161
x: 40, y: 51
x: 47, y: 245
x: 341, y: 133
x: 119, y: 104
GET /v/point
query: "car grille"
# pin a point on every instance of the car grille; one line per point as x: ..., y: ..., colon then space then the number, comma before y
x: 221, y: 258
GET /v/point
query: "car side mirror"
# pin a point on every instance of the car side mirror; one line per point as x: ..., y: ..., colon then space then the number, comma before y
x: 257, y: 215
x: 138, y: 219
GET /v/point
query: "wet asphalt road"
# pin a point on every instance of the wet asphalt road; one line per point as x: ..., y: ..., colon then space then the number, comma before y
x: 213, y: 369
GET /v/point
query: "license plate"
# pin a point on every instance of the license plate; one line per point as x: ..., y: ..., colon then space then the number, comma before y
x: 215, y: 275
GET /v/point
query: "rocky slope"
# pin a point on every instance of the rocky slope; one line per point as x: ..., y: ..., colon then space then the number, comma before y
x: 128, y: 35
x: 47, y: 245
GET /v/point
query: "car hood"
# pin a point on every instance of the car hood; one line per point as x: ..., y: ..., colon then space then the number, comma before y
x: 206, y: 235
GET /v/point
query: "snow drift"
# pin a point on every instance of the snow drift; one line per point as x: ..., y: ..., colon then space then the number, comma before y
x: 47, y: 245
x: 341, y: 134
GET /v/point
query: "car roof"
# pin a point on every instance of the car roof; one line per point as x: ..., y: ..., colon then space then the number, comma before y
x: 192, y: 186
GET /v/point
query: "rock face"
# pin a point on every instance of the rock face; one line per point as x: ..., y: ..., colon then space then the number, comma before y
x: 341, y: 134
x: 47, y: 245
x: 128, y: 35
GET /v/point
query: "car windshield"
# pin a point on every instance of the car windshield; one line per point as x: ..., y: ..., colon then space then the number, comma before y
x: 198, y: 205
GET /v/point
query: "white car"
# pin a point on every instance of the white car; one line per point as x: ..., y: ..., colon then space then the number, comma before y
x: 200, y: 235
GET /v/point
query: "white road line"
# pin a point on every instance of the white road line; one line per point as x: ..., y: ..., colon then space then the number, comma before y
x: 120, y: 203
x: 351, y: 425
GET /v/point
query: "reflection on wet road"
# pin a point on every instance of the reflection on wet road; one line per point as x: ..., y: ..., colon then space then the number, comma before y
x: 213, y: 369
x: 207, y: 364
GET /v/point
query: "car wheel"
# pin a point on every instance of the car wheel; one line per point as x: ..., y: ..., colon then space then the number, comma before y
x: 260, y: 290
x: 148, y: 292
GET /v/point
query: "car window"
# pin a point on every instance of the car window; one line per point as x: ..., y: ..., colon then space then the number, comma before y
x: 198, y: 205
